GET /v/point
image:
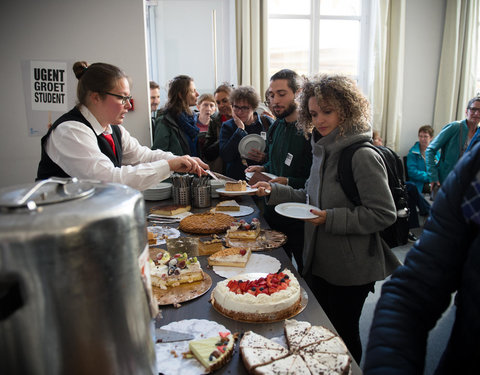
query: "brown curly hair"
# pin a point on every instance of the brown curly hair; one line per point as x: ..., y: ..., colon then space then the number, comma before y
x: 340, y: 93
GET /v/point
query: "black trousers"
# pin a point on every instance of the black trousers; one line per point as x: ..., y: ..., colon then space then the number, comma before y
x: 343, y: 306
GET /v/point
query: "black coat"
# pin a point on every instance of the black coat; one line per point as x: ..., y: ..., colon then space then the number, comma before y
x: 445, y: 260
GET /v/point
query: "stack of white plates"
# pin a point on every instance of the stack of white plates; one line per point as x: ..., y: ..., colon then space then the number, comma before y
x: 159, y: 192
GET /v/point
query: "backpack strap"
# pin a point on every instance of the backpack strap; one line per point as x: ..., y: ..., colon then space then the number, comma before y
x: 345, y: 173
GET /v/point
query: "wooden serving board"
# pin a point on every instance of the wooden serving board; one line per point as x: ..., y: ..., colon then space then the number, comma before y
x: 267, y: 239
x: 183, y: 292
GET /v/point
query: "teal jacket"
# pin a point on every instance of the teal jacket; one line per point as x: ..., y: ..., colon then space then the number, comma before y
x: 283, y: 139
x: 451, y: 142
x: 417, y: 168
x: 169, y: 137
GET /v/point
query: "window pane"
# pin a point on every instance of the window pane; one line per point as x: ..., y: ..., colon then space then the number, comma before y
x: 339, y: 47
x: 289, y: 45
x: 289, y: 7
x: 340, y: 7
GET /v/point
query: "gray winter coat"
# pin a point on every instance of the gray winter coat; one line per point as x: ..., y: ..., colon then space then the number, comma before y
x: 346, y: 250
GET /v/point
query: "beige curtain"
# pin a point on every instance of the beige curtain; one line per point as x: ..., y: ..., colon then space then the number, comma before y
x: 387, y: 89
x: 457, y: 73
x: 252, y: 48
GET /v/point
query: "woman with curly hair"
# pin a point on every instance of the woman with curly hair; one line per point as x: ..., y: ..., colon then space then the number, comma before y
x: 343, y: 253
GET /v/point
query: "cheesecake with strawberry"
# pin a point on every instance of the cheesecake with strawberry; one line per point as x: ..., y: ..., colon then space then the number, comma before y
x: 230, y: 257
x: 248, y: 297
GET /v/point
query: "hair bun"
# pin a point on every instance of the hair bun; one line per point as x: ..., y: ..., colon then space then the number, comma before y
x: 79, y: 68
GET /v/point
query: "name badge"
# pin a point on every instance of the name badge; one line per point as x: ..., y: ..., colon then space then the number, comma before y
x: 288, y: 159
x: 263, y: 135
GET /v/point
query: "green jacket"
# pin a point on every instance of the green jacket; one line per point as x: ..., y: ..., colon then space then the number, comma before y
x: 451, y: 142
x: 283, y: 139
x: 169, y: 137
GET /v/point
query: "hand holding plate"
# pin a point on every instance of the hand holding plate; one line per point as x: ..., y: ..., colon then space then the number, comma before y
x: 320, y: 219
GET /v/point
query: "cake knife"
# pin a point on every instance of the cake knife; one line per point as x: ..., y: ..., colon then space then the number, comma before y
x: 165, y: 335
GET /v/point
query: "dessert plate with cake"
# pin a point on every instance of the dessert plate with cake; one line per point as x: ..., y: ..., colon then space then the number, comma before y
x: 157, y: 235
x: 177, y: 278
x: 259, y: 297
x: 200, y: 357
x: 296, y: 210
x: 239, y: 187
x: 258, y: 263
x: 206, y: 223
x: 232, y: 208
x: 311, y: 350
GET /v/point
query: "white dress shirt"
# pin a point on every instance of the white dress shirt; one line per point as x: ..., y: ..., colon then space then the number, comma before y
x: 74, y: 147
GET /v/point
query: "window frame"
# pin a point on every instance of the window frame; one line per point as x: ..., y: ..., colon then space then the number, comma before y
x: 365, y: 53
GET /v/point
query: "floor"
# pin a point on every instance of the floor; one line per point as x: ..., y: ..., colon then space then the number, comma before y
x: 438, y: 336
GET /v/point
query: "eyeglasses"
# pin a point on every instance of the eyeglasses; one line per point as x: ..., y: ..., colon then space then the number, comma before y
x: 474, y: 109
x: 124, y: 98
x: 241, y: 109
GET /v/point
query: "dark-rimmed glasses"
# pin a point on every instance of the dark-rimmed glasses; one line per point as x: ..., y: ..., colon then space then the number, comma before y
x: 474, y: 109
x: 240, y: 108
x: 124, y: 98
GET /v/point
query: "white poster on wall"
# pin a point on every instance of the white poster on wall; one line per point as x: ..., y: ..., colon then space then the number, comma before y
x: 49, y: 92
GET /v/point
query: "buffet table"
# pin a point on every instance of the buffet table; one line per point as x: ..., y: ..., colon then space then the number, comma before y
x: 200, y: 308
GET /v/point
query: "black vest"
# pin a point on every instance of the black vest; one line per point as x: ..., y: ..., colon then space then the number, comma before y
x: 48, y: 168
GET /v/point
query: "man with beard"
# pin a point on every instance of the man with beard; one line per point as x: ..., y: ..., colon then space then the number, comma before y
x: 289, y: 156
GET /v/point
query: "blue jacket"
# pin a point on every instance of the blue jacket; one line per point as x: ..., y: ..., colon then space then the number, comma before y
x: 450, y: 141
x: 417, y: 168
x: 230, y: 137
x: 445, y: 260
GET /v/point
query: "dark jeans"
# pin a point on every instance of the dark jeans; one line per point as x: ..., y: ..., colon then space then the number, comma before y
x: 343, y: 306
x: 415, y: 199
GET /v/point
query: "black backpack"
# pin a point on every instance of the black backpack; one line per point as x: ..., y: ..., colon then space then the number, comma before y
x: 397, y: 233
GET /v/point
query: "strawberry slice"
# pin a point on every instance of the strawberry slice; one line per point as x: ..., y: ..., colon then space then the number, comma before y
x: 224, y: 335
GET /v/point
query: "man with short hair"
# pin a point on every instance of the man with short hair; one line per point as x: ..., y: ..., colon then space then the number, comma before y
x: 453, y: 140
x: 154, y: 102
x: 289, y: 155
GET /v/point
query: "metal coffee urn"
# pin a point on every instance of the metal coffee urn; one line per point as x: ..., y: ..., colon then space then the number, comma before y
x: 72, y: 300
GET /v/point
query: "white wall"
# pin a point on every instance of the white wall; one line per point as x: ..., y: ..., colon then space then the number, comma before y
x: 187, y: 47
x: 110, y: 31
x: 423, y: 42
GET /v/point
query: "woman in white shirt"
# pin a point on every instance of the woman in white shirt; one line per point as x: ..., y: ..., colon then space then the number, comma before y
x: 89, y: 142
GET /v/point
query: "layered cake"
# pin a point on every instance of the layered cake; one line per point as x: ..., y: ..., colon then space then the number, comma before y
x: 178, y: 269
x: 209, y: 245
x: 170, y: 209
x: 317, y: 351
x: 213, y: 352
x: 230, y: 257
x: 206, y: 223
x: 230, y: 205
x: 249, y: 298
x: 239, y: 185
x: 241, y: 230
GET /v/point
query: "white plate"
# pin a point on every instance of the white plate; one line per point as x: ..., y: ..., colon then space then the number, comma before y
x: 170, y: 364
x: 296, y: 210
x: 256, y: 263
x: 244, y: 211
x: 225, y: 192
x: 161, y: 231
x: 250, y: 142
